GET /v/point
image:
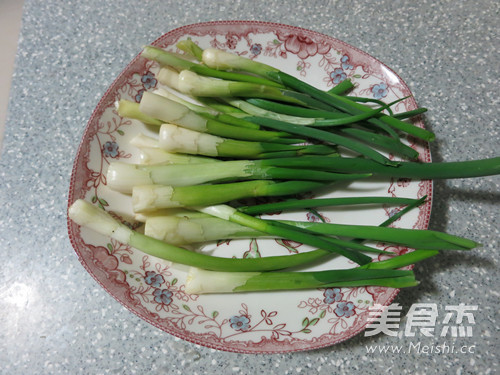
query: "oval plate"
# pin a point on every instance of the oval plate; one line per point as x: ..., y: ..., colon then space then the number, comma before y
x: 267, y: 322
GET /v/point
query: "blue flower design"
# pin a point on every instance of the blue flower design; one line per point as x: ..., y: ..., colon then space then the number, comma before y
x: 332, y: 295
x: 110, y: 149
x: 163, y: 296
x: 148, y: 80
x: 345, y: 309
x: 256, y: 49
x: 154, y: 279
x: 338, y: 75
x: 138, y: 97
x: 393, y: 212
x: 239, y: 323
x: 345, y: 63
x: 380, y: 91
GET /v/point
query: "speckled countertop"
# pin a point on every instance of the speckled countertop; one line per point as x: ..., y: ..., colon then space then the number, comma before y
x: 55, y: 319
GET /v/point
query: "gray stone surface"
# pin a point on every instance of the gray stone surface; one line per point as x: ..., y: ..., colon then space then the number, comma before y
x: 55, y: 319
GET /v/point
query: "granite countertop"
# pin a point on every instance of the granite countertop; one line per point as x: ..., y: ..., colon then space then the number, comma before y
x: 55, y: 319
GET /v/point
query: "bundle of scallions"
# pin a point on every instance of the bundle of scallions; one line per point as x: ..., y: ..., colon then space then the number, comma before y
x: 231, y: 128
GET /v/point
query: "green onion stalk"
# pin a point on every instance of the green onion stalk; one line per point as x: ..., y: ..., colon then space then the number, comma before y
x: 210, y: 113
x: 413, y: 238
x: 214, y: 110
x: 179, y: 230
x: 181, y: 212
x: 211, y: 109
x: 199, y: 109
x: 355, y: 108
x: 218, y: 105
x: 326, y: 136
x: 190, y: 48
x: 233, y: 119
x: 170, y: 111
x: 150, y: 153
x: 157, y: 156
x: 372, y: 138
x: 200, y: 281
x: 176, y: 226
x: 123, y: 177
x: 129, y: 109
x: 196, y: 85
x: 338, y: 120
x: 89, y: 216
x: 184, y: 231
x: 190, y: 83
x: 152, y: 197
x: 195, y: 51
x: 370, y: 100
x: 437, y: 170
x: 249, y: 109
x: 297, y: 204
x: 341, y: 88
x: 86, y: 215
x: 221, y: 60
x: 296, y: 111
x: 175, y: 139
x: 277, y: 229
x: 169, y: 59
x: 331, y: 114
x: 376, y: 140
x: 294, y: 204
x: 141, y: 140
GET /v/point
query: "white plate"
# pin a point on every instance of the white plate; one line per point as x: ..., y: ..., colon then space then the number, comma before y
x: 251, y: 322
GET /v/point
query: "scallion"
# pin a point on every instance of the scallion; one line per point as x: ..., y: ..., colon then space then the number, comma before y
x: 169, y: 111
x: 226, y: 61
x: 325, y: 136
x: 286, y: 231
x: 152, y: 197
x: 435, y: 170
x: 123, y: 177
x: 173, y: 138
x: 200, y: 281
x: 297, y: 204
x: 89, y: 216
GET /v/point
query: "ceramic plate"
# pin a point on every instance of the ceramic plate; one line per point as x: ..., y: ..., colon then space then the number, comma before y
x: 264, y: 322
